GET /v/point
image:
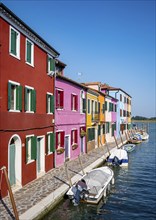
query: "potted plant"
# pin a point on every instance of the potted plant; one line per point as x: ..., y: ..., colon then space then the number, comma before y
x: 74, y: 146
x: 82, y: 133
x: 60, y: 150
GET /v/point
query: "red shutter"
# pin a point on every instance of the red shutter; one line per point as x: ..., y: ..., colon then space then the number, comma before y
x: 57, y: 139
x: 61, y: 99
x: 62, y: 138
x: 56, y: 98
x: 75, y: 136
x: 76, y: 101
x: 71, y: 101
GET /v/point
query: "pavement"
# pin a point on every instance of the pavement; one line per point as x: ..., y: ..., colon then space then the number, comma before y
x: 38, y: 197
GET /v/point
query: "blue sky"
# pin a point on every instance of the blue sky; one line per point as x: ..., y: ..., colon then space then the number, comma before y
x: 111, y: 42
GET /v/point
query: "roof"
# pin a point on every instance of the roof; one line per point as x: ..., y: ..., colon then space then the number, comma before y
x: 110, y: 88
x: 4, y: 9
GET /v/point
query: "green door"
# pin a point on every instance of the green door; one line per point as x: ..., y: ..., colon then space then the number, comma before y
x: 12, y: 175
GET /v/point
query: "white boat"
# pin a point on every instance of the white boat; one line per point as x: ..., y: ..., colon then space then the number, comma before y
x: 119, y: 157
x: 144, y: 135
x: 98, y: 183
x: 128, y: 147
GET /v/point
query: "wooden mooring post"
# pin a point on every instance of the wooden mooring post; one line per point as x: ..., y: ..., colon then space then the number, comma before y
x: 107, y: 148
x: 81, y: 165
x: 10, y: 193
x: 67, y: 174
x: 116, y: 142
x: 121, y: 138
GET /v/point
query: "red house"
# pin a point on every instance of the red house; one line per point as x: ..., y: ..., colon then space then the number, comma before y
x: 27, y: 65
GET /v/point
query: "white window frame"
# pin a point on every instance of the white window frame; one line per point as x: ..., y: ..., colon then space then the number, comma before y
x: 48, y: 133
x: 15, y: 91
x: 29, y: 148
x: 29, y: 103
x: 32, y: 52
x: 17, y: 44
x: 49, y: 102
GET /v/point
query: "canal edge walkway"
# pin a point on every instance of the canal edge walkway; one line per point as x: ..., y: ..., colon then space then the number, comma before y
x: 36, y: 199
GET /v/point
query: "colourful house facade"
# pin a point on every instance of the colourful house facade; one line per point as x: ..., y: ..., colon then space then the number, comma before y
x: 26, y: 100
x: 70, y: 119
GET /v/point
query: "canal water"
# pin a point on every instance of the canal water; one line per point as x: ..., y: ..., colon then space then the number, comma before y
x: 133, y: 195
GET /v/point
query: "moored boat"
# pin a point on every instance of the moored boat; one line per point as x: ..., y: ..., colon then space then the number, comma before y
x: 128, y: 147
x: 118, y: 157
x: 98, y: 182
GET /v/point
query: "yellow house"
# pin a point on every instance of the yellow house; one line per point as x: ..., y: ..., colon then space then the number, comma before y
x: 101, y: 124
x: 92, y: 119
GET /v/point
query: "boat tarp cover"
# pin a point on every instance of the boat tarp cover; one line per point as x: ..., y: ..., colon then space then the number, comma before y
x: 95, y: 180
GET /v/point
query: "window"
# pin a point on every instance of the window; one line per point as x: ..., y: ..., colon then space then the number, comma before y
x: 59, y: 99
x: 31, y: 146
x: 29, y: 52
x: 60, y: 139
x: 14, y: 96
x: 50, y: 143
x: 74, y: 104
x: 120, y: 97
x: 50, y: 65
x: 91, y: 134
x: 105, y: 105
x: 82, y: 102
x: 14, y: 48
x: 120, y: 112
x: 73, y: 137
x: 30, y: 99
x: 50, y: 103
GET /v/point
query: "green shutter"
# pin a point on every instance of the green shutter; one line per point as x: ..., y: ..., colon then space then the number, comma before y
x: 99, y: 129
x: 84, y: 105
x: 9, y: 96
x: 26, y: 99
x: 33, y: 100
x: 52, y: 64
x: 33, y: 148
x: 52, y: 104
x: 47, y: 102
x: 52, y: 142
x: 13, y: 41
x: 19, y: 98
x: 29, y: 45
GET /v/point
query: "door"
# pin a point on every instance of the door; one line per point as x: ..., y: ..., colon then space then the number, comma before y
x: 66, y: 147
x: 40, y: 160
x: 12, y: 174
x: 82, y: 144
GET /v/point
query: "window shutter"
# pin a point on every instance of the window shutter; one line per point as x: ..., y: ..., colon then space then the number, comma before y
x: 62, y: 138
x: 27, y: 150
x: 56, y: 98
x: 76, y: 136
x: 47, y: 102
x: 19, y: 98
x: 33, y: 148
x: 52, y: 104
x: 76, y: 102
x: 52, y: 65
x: 71, y: 101
x: 9, y: 96
x: 62, y: 99
x: 52, y: 142
x: 99, y: 129
x: 33, y: 100
x: 84, y: 105
x: 47, y: 143
x: 29, y: 52
x: 57, y: 139
x: 26, y: 99
x: 13, y: 41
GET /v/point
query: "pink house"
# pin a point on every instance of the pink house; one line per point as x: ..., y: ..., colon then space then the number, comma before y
x: 70, y: 119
